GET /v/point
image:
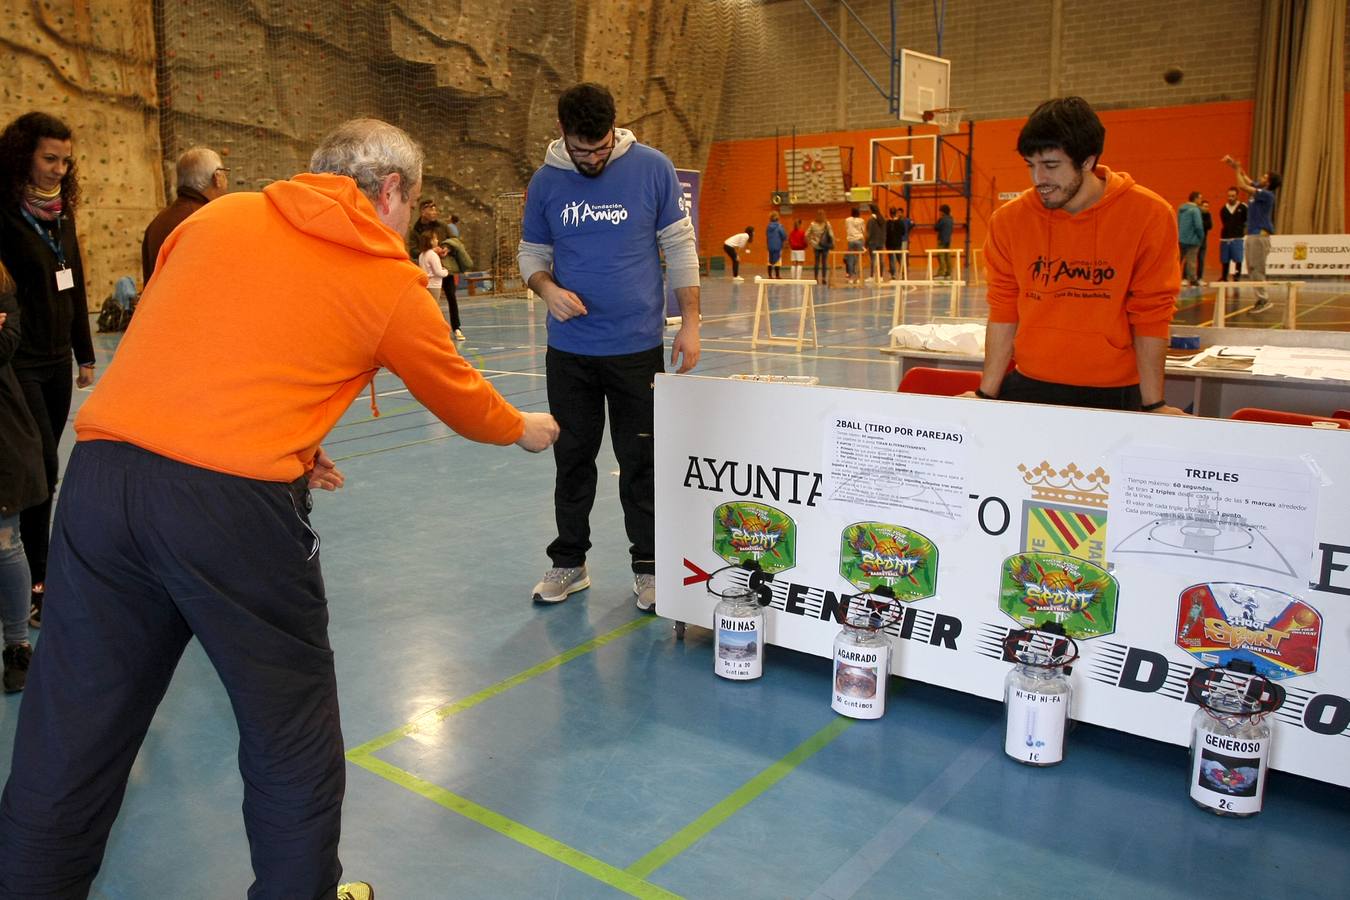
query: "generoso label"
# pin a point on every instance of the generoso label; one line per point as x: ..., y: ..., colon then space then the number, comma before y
x: 739, y: 651
x: 1228, y: 773
x: 1036, y: 726
x: 860, y: 681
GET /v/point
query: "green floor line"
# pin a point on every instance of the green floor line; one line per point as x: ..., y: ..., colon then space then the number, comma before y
x: 687, y: 836
x: 601, y: 871
x: 441, y: 713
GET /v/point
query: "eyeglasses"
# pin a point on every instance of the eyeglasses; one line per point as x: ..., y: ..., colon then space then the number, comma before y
x: 601, y: 152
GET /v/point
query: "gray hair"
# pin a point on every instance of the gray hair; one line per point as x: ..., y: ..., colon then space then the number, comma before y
x: 196, y: 167
x: 367, y: 150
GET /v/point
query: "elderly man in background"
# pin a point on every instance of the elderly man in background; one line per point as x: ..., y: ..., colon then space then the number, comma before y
x: 201, y: 179
x: 185, y: 512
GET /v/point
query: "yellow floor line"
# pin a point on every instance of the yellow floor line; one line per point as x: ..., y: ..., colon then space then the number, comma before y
x: 441, y: 713
x: 695, y: 830
x: 601, y: 871
x: 364, y: 756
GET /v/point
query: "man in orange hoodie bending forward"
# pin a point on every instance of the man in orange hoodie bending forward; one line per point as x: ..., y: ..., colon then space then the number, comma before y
x: 184, y: 511
x: 1083, y: 275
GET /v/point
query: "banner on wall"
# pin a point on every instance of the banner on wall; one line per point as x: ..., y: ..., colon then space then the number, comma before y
x: 1294, y: 255
x: 690, y: 181
x: 1157, y: 551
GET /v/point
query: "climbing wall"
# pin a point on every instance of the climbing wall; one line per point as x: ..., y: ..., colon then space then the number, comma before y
x: 93, y: 66
x: 475, y: 82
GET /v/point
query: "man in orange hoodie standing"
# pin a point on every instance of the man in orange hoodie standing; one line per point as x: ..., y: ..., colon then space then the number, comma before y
x: 184, y: 511
x: 1083, y: 275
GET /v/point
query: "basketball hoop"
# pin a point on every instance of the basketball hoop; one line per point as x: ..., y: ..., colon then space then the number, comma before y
x: 947, y: 118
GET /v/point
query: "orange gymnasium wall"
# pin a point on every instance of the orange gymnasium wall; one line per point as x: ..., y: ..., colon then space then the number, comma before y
x: 1170, y: 150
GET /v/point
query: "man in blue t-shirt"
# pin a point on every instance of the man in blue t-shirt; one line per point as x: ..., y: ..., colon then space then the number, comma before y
x: 599, y: 214
x: 1260, y: 225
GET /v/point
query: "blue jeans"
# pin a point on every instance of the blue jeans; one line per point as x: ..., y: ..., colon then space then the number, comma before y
x: 14, y: 582
x: 851, y: 261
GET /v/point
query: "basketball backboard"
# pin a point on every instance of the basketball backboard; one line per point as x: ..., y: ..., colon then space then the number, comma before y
x: 924, y: 83
x: 904, y: 159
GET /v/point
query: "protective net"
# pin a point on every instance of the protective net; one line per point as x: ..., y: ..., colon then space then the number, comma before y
x: 475, y: 82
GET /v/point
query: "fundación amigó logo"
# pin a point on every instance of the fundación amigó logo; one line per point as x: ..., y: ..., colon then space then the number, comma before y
x: 580, y: 212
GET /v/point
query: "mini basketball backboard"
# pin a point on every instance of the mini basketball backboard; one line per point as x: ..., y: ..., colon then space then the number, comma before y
x: 904, y: 159
x: 924, y: 84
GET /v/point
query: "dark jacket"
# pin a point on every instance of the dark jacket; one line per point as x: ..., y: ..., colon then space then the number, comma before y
x: 55, y: 323
x: 1233, y: 224
x: 187, y: 203
x: 944, y: 226
x: 439, y: 228
x: 23, y: 483
x: 897, y: 230
x: 876, y: 233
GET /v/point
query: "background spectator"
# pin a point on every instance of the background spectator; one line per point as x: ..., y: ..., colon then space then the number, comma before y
x: 39, y: 194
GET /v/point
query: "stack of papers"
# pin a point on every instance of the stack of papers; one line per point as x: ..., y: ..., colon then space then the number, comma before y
x: 1303, y: 362
x: 1314, y: 363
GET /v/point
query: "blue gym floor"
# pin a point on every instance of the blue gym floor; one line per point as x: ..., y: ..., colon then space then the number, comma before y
x: 498, y: 749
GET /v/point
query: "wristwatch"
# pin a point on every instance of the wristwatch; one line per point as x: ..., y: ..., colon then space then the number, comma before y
x: 1150, y: 407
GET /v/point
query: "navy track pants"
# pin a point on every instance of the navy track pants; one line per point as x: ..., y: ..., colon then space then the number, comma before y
x: 148, y: 553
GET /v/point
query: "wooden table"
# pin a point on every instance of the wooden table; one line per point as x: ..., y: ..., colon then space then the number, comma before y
x: 762, y: 311
x: 947, y: 251
x: 1223, y: 287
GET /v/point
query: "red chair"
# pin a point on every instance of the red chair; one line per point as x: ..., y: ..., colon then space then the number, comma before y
x: 1280, y: 417
x: 942, y: 382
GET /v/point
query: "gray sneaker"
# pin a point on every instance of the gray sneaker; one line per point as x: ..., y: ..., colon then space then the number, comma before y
x: 644, y: 586
x: 558, y: 583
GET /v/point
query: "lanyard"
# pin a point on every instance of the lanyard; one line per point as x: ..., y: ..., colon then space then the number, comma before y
x: 53, y: 245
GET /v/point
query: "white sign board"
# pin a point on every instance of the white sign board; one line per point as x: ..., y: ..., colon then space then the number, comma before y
x: 1164, y: 544
x: 1294, y: 255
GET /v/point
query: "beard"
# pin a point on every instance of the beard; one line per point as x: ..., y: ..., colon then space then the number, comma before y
x: 1065, y: 192
x: 591, y: 170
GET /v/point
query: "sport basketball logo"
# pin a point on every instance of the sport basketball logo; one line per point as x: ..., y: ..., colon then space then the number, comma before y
x: 755, y: 532
x: 1037, y: 588
x: 874, y: 554
x: 1223, y: 621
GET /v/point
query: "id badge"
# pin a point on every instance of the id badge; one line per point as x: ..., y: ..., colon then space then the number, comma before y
x: 65, y: 279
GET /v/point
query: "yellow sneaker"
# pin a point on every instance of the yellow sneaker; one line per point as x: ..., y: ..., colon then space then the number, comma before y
x: 355, y: 890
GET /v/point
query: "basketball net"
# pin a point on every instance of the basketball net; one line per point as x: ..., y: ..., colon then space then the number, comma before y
x: 946, y: 118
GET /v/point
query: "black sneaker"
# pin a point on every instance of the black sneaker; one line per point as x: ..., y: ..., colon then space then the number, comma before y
x: 17, y: 658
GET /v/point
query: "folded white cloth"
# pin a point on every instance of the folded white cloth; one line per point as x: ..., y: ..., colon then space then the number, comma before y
x: 967, y: 337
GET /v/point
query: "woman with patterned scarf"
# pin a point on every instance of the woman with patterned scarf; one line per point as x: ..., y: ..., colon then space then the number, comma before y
x: 38, y: 196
